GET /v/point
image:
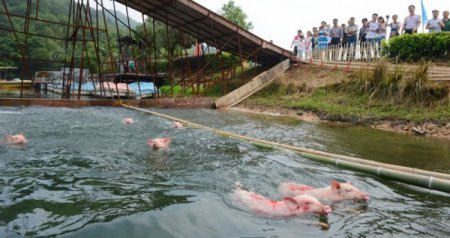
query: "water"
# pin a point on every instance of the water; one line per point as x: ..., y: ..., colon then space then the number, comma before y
x: 84, y: 174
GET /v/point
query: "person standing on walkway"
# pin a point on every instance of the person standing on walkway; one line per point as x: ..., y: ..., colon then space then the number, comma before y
x: 344, y: 34
x: 309, y: 40
x: 315, y: 36
x: 412, y: 22
x: 435, y: 24
x: 446, y: 21
x: 363, y: 31
x: 296, y: 41
x: 336, y: 33
x: 322, y: 40
x: 381, y: 29
x: 351, y: 31
x: 301, y: 48
x: 372, y: 29
x: 395, y: 26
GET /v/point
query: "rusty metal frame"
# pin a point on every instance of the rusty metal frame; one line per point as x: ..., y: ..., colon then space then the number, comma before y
x: 83, y: 32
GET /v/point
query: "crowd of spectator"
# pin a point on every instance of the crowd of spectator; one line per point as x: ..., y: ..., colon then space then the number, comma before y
x: 372, y: 31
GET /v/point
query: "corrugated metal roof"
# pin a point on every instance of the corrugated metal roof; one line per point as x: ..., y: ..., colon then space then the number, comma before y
x: 199, y: 22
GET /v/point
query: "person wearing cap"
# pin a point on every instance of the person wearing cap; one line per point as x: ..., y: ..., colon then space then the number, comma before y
x: 435, y: 24
x: 446, y: 21
x: 412, y: 22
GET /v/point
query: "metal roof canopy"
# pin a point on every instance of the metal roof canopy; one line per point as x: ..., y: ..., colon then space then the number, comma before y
x: 211, y: 28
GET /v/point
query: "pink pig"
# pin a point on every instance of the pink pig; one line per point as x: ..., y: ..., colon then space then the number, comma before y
x: 128, y: 120
x: 289, y: 206
x: 18, y: 139
x: 159, y: 143
x: 177, y: 125
x: 335, y: 192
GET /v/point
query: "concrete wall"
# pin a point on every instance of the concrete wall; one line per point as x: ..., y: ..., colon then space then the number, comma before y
x: 159, y: 103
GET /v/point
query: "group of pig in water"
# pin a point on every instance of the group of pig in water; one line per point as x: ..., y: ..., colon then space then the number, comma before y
x: 297, y: 199
x: 157, y: 143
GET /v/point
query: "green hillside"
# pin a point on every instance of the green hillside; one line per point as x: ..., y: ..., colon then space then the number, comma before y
x: 41, y: 50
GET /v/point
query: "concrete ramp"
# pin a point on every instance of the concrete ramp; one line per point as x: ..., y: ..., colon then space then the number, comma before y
x: 253, y: 86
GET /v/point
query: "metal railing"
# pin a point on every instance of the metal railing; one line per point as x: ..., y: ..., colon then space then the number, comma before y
x: 362, y: 52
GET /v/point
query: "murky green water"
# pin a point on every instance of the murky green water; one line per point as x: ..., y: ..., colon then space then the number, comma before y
x: 84, y: 174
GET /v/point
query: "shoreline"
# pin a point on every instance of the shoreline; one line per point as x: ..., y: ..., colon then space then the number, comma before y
x: 426, y: 129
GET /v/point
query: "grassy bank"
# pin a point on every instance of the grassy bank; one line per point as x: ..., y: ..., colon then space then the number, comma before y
x: 359, y: 98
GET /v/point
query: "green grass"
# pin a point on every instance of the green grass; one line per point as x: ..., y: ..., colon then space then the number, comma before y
x: 366, y: 97
x: 332, y: 104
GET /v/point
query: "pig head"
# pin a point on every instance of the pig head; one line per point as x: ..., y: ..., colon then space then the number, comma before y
x: 177, y: 125
x: 18, y: 139
x: 159, y: 143
x: 128, y: 120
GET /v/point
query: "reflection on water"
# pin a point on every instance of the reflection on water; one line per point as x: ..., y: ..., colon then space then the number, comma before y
x: 15, y: 93
x: 85, y: 174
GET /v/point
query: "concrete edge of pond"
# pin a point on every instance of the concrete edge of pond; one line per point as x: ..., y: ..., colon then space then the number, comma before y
x: 413, y: 176
x: 204, y: 103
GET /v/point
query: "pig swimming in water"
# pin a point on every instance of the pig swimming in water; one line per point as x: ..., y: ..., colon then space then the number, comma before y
x: 18, y: 139
x: 336, y: 192
x: 159, y: 143
x: 128, y: 120
x: 289, y: 206
x: 177, y: 125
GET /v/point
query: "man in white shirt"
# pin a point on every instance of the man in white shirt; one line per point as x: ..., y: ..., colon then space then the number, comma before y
x: 435, y: 24
x: 372, y: 29
x: 411, y: 22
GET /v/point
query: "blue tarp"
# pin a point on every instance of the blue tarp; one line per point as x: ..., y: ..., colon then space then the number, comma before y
x: 146, y: 88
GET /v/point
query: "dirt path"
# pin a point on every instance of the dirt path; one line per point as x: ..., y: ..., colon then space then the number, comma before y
x: 312, y: 77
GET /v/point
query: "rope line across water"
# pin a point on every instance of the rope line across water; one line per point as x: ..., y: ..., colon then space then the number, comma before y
x: 418, y: 177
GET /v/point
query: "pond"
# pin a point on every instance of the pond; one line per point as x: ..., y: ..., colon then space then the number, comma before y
x: 85, y: 174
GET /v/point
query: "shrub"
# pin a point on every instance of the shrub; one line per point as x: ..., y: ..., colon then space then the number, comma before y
x: 432, y: 46
x: 397, y: 85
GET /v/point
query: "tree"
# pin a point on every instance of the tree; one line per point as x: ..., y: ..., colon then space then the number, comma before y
x: 235, y: 14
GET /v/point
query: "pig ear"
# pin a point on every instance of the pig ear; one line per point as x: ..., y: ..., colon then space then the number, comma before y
x: 335, y: 185
x: 167, y: 140
x: 291, y: 203
x: 349, y: 182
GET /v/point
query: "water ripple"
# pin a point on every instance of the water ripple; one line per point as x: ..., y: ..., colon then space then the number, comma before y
x: 85, y: 174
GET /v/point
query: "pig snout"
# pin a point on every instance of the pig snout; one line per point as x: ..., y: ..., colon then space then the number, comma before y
x: 178, y: 125
x: 159, y: 143
x: 326, y: 210
x: 128, y: 120
x: 365, y: 197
